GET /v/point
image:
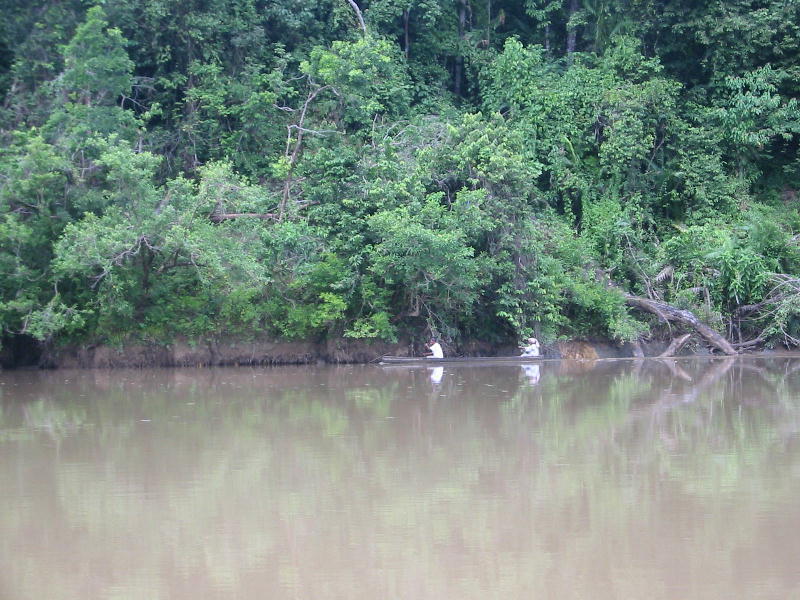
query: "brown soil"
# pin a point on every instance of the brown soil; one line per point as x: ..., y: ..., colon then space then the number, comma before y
x: 270, y: 352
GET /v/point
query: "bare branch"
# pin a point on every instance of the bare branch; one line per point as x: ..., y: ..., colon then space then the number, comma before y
x: 219, y: 217
x: 312, y: 131
x: 292, y: 153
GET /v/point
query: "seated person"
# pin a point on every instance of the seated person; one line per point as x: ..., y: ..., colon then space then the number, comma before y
x: 531, y: 348
x: 435, y: 350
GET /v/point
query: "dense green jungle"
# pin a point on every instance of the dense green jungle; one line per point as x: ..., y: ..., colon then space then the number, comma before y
x: 395, y: 169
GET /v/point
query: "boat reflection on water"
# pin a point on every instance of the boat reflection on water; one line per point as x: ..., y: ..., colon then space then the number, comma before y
x: 531, y: 373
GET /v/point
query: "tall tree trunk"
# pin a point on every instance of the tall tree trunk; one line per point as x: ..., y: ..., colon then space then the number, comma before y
x: 572, y: 31
x: 358, y: 15
x: 488, y: 23
x: 462, y: 22
x: 406, y: 42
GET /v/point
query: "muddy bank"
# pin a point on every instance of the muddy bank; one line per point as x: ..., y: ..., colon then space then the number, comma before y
x: 271, y: 352
x: 212, y: 353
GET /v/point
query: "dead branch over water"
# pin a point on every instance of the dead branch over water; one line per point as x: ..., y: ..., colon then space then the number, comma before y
x: 669, y: 313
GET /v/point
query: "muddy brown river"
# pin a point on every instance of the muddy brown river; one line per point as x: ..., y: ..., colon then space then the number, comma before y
x: 601, y: 480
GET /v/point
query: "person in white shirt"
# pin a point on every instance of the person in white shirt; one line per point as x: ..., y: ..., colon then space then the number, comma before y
x: 531, y: 348
x: 435, y: 350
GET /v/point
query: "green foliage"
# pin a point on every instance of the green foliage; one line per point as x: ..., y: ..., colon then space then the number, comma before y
x: 97, y: 76
x: 34, y: 206
x: 730, y: 263
x: 423, y: 255
x: 597, y: 128
x: 235, y: 117
x: 313, y: 300
x: 553, y: 291
x: 377, y: 325
x: 743, y: 275
x: 96, y: 67
x: 484, y: 153
x: 367, y: 79
x: 484, y: 170
x: 154, y: 244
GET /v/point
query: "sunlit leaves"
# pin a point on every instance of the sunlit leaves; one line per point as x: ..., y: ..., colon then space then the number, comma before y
x: 367, y: 79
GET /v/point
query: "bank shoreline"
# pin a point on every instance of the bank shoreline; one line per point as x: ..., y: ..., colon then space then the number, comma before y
x: 259, y: 352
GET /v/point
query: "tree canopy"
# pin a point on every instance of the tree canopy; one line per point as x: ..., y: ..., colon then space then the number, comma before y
x: 398, y: 168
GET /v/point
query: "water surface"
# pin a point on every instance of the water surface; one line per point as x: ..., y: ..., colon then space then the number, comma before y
x: 654, y: 479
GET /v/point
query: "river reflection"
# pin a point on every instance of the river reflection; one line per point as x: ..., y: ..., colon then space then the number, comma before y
x: 649, y: 479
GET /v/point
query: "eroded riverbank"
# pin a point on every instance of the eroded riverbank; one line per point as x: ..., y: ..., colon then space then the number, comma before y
x: 270, y: 352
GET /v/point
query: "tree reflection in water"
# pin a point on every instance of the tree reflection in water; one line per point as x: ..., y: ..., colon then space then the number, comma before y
x: 658, y: 479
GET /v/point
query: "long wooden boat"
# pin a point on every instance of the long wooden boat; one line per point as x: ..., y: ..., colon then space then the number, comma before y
x: 498, y: 360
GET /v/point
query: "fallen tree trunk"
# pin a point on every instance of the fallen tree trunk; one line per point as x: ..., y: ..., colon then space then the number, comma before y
x: 676, y: 345
x: 669, y: 313
x: 754, y: 342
